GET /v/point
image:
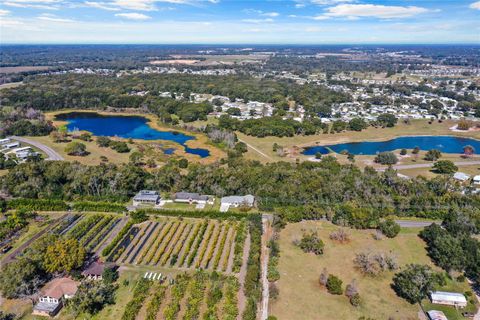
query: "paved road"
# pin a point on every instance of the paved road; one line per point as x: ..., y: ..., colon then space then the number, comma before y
x: 51, y: 154
x: 428, y: 165
x: 415, y: 223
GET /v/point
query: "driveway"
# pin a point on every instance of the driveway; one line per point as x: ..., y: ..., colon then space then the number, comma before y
x: 428, y: 165
x: 51, y: 154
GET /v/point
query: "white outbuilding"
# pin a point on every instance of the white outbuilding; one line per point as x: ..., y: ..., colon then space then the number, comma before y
x: 448, y: 298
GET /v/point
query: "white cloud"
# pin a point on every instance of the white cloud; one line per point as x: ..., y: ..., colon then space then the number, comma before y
x: 4, y: 13
x: 53, y: 18
x: 133, y: 16
x: 270, y: 14
x: 321, y: 17
x: 371, y: 10
x: 36, y: 4
x: 258, y: 20
x: 330, y: 2
x: 475, y: 5
x: 101, y: 5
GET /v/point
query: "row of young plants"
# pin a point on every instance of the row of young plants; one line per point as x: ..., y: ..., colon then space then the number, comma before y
x: 181, y: 234
x: 154, y: 304
x: 214, y: 244
x: 153, y: 227
x: 82, y: 227
x: 191, y: 240
x: 180, y: 244
x: 177, y: 293
x: 164, y: 243
x: 126, y: 228
x: 140, y: 293
x: 214, y: 296
x: 193, y: 254
x: 252, y: 285
x: 205, y: 242
x: 95, y: 230
x: 226, y: 258
x: 124, y: 243
x: 66, y: 222
x: 153, y: 249
x: 102, y: 235
x: 133, y: 244
x: 37, y: 204
x: 230, y: 306
x: 241, y: 235
x: 169, y: 241
x: 196, y: 288
x: 154, y: 236
x: 221, y: 246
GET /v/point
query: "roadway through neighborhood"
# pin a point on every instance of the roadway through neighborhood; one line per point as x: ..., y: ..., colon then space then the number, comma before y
x: 51, y: 154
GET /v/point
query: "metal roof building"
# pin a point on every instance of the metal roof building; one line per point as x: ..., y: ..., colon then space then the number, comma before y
x: 146, y: 197
x: 448, y: 298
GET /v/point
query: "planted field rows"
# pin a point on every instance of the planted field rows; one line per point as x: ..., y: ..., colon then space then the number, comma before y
x: 91, y: 230
x: 180, y: 243
x: 192, y: 296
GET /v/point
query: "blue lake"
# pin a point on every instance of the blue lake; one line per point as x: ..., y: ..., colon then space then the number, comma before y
x: 135, y: 127
x: 446, y: 144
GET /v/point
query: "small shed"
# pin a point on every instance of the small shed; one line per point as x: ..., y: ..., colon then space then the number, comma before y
x: 94, y: 271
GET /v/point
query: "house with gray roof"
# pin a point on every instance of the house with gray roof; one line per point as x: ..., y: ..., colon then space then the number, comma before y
x: 190, y: 197
x: 146, y: 197
x: 236, y: 201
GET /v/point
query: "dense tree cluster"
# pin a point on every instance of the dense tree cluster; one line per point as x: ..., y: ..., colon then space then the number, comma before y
x: 23, y: 122
x: 310, y: 190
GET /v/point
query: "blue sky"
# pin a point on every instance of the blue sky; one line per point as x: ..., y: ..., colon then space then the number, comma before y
x: 238, y: 21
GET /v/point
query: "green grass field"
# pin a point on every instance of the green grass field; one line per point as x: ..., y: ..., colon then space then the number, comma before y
x: 301, y: 296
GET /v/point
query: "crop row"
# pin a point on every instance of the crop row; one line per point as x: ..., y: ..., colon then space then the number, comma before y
x: 171, y: 236
x: 214, y: 296
x: 85, y: 225
x: 95, y: 230
x: 154, y: 304
x: 181, y: 233
x: 230, y: 307
x: 204, y: 243
x: 213, y: 246
x: 241, y: 234
x: 126, y: 228
x: 135, y: 240
x: 140, y: 293
x: 199, y: 230
x: 221, y: 247
x: 102, y: 235
x: 151, y: 241
x: 158, y: 242
x: 196, y: 289
x: 152, y: 228
x: 178, y: 292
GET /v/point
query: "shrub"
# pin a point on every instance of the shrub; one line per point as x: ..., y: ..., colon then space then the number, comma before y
x: 403, y: 151
x: 355, y: 300
x: 389, y: 228
x: 433, y: 155
x: 375, y: 263
x: 311, y: 243
x: 334, y: 285
x: 445, y: 167
x: 76, y: 149
x: 340, y: 235
x: 37, y: 204
x: 386, y: 158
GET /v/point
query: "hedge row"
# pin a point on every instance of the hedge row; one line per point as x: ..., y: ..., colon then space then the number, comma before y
x: 212, y: 214
x: 98, y: 206
x: 38, y: 204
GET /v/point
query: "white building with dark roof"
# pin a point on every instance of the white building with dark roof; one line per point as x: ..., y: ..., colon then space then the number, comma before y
x: 190, y: 197
x: 146, y: 197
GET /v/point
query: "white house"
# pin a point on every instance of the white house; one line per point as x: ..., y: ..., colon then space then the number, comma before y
x: 146, y: 197
x: 53, y: 295
x: 189, y: 197
x: 448, y: 298
x: 4, y: 141
x: 460, y: 176
x: 237, y: 201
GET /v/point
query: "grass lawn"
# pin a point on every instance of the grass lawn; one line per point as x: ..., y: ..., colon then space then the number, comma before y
x: 301, y: 297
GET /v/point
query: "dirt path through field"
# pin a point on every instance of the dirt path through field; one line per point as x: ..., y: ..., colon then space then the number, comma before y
x: 242, y: 299
x: 266, y: 235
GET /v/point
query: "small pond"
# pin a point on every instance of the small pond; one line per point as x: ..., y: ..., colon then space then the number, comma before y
x: 446, y: 144
x: 135, y: 127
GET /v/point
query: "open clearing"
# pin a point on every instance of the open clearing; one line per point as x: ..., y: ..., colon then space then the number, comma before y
x: 301, y: 297
x: 23, y: 69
